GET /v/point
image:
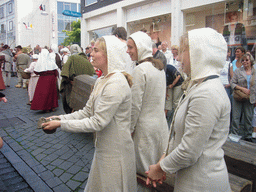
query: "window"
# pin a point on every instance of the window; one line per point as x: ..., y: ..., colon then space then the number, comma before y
x: 60, y: 7
x: 10, y: 7
x: 1, y: 12
x: 2, y: 28
x: 10, y: 25
x: 60, y: 25
x: 68, y: 25
x: 67, y: 6
x: 89, y: 2
x: 74, y: 7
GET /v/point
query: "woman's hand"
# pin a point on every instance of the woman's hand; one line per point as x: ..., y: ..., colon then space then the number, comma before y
x: 155, y: 175
x: 51, y: 125
x: 52, y: 117
x: 246, y: 91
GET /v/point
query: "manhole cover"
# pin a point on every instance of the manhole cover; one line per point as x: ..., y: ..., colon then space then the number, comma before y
x: 10, y: 122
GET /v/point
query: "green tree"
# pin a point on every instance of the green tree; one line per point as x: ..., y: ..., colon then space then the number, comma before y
x: 74, y: 34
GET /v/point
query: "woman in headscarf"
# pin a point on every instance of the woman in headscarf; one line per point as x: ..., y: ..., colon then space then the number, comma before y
x: 77, y: 64
x: 108, y: 113
x: 33, y: 78
x: 46, y: 94
x: 201, y: 120
x: 149, y: 125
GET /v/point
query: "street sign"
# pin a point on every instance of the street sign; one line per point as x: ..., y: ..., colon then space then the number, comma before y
x: 71, y: 13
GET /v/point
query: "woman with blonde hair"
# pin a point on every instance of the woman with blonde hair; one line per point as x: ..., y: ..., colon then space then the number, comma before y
x: 108, y: 114
x: 201, y: 120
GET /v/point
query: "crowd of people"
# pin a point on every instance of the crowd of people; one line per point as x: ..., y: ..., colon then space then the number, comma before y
x: 155, y: 111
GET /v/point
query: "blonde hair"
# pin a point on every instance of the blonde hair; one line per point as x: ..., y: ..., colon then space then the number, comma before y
x: 103, y: 46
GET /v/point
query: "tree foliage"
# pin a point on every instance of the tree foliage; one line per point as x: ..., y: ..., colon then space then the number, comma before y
x: 74, y: 34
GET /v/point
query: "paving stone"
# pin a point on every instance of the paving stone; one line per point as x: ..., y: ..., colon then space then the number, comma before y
x: 39, y: 168
x: 49, y: 151
x: 74, y: 169
x: 65, y: 177
x: 51, y: 157
x: 46, y: 175
x: 53, y: 182
x: 67, y: 155
x: 44, y: 162
x: 40, y: 156
x: 58, y: 172
x: 65, y: 165
x: 73, y: 184
x: 50, y: 167
x: 57, y: 162
x: 61, y: 188
x: 37, y: 151
x: 81, y: 176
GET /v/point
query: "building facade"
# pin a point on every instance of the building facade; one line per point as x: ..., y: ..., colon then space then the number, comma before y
x: 24, y: 23
x: 167, y: 20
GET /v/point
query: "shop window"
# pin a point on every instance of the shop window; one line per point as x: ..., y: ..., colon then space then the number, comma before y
x: 10, y: 7
x: 236, y: 20
x: 67, y: 6
x: 89, y: 2
x: 1, y: 12
x: 10, y: 25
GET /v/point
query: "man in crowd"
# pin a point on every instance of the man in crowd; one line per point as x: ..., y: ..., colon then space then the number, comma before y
x: 159, y: 55
x: 23, y: 61
x: 7, y: 68
x: 166, y: 52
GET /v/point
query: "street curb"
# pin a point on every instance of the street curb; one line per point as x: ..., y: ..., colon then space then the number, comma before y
x: 33, y: 180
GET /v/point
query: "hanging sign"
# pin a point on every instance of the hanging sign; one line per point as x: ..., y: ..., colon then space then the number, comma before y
x: 71, y: 13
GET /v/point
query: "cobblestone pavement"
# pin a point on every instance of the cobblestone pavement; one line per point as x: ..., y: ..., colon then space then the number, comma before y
x: 48, y: 162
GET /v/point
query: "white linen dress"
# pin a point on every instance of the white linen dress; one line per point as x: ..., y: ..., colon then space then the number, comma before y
x: 201, y: 121
x: 148, y: 100
x: 108, y: 114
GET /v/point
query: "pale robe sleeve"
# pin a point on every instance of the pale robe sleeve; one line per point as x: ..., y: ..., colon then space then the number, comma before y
x: 138, y: 89
x: 110, y: 99
x: 202, y: 115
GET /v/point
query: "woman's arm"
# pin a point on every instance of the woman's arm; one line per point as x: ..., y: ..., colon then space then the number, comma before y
x: 174, y: 82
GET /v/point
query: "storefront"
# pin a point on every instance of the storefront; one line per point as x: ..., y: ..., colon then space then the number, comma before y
x: 167, y: 20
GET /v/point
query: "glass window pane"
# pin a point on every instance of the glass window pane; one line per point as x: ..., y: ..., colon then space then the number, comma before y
x: 60, y: 7
x: 88, y: 2
x: 74, y: 7
x: 60, y: 25
x: 67, y: 6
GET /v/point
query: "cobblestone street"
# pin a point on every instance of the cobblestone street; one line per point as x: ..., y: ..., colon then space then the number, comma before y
x: 47, y: 162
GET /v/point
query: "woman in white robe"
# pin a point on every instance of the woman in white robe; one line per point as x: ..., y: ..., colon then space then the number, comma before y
x: 33, y: 78
x: 108, y: 113
x: 201, y: 120
x: 149, y: 125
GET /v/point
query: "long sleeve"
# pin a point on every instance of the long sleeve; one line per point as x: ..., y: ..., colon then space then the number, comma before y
x: 109, y: 101
x: 138, y: 89
x: 202, y: 115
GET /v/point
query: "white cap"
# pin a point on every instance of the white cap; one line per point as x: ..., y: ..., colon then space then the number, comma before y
x: 65, y: 49
x: 35, y: 56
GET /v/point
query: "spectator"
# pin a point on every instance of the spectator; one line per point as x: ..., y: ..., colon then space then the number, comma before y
x: 7, y: 65
x: 159, y: 55
x: 167, y: 53
x: 244, y: 80
x: 236, y: 63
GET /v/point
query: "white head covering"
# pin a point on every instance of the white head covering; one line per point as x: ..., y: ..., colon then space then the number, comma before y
x: 143, y: 43
x: 65, y: 49
x: 115, y: 54
x: 35, y: 56
x: 75, y: 49
x: 45, y: 63
x: 54, y: 48
x: 208, y: 51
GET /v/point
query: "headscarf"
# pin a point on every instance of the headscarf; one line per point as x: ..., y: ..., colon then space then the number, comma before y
x: 54, y: 48
x: 75, y: 49
x: 45, y: 62
x: 143, y: 43
x: 115, y: 54
x: 208, y: 51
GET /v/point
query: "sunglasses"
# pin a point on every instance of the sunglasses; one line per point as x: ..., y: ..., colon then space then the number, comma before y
x: 245, y: 60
